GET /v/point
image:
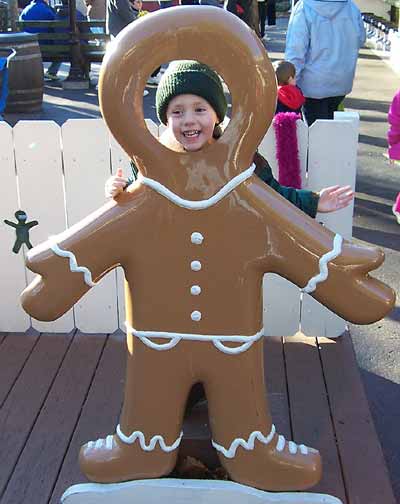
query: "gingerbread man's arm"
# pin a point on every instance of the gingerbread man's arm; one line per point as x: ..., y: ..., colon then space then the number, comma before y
x: 69, y: 264
x: 334, y: 271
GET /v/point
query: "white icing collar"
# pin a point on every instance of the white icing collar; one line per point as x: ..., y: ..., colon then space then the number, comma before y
x: 201, y: 204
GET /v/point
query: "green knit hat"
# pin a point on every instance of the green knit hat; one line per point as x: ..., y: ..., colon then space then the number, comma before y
x: 190, y: 77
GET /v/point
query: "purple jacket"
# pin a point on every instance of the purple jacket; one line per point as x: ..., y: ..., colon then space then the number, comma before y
x: 394, y: 127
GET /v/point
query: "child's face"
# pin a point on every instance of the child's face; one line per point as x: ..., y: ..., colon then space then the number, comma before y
x: 292, y: 81
x: 137, y: 4
x: 191, y: 120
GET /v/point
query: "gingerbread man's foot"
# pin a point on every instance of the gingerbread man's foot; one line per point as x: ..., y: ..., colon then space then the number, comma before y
x: 112, y: 460
x: 269, y: 462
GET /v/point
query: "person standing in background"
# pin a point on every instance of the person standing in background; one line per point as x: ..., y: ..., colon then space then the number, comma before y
x: 262, y: 16
x: 393, y: 138
x: 119, y: 15
x: 271, y: 12
x: 37, y: 10
x: 322, y: 41
x: 164, y: 4
x: 96, y: 9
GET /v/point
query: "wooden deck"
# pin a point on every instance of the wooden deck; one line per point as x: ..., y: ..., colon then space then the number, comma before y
x: 59, y: 391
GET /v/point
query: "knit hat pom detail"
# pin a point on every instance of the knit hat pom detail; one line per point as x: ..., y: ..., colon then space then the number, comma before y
x: 190, y: 77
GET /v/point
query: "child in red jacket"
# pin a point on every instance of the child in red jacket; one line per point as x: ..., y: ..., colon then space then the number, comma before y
x: 290, y: 97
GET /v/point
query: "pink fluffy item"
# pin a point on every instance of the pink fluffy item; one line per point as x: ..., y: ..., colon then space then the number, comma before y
x: 396, y: 208
x: 287, y: 151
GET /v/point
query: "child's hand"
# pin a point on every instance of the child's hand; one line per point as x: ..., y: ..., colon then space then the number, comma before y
x: 115, y: 184
x: 334, y: 198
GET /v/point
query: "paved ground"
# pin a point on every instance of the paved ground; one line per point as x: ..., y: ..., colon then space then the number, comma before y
x: 378, y: 345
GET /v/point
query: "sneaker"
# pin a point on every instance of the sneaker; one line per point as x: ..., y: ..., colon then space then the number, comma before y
x: 51, y: 76
x: 145, y: 92
x: 396, y: 214
x: 153, y: 81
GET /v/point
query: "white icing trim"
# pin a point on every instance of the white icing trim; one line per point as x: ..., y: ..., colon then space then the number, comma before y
x: 196, y: 238
x: 153, y: 441
x: 201, y: 204
x: 175, y: 338
x: 323, y: 268
x: 107, y: 443
x: 73, y: 264
x: 249, y: 444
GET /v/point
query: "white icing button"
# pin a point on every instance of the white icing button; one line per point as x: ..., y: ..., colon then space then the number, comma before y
x: 195, y: 265
x: 196, y: 316
x: 195, y: 290
x: 197, y: 238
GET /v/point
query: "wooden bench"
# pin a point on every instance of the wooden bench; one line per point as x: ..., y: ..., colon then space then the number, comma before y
x: 57, y: 45
x: 57, y: 391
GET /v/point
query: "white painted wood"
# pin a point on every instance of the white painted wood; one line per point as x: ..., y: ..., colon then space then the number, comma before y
x: 88, y: 149
x: 39, y: 170
x: 332, y: 161
x: 282, y: 319
x: 12, y: 266
x: 267, y: 149
x: 161, y: 129
x: 152, y: 127
x: 281, y: 300
x: 302, y: 143
x: 177, y: 491
x: 121, y: 299
x: 86, y: 153
x: 120, y: 159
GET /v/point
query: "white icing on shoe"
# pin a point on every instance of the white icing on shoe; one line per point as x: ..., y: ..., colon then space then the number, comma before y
x: 249, y: 444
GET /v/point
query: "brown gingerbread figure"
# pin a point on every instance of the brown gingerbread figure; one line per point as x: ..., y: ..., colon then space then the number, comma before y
x: 195, y: 235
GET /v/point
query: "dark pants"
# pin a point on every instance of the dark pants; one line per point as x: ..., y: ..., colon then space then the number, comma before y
x: 262, y: 15
x: 322, y: 108
x: 271, y: 12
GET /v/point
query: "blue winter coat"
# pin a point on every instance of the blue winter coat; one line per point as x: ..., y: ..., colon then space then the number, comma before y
x: 37, y: 10
x: 322, y: 41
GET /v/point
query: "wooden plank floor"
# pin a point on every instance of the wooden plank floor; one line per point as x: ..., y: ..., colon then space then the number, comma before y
x: 59, y: 391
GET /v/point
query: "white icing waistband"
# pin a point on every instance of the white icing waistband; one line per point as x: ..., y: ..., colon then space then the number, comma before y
x: 323, y: 268
x: 145, y: 337
x: 201, y: 204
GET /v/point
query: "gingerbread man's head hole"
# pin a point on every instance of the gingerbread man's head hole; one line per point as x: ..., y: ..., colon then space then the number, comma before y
x: 217, y: 39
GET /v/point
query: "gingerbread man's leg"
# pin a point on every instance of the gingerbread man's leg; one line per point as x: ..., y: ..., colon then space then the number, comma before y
x: 243, y: 434
x: 147, y: 439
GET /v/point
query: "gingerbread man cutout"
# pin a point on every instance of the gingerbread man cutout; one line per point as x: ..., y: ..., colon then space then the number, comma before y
x: 195, y: 235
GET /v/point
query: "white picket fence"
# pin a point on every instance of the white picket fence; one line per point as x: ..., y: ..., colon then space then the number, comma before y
x: 57, y: 175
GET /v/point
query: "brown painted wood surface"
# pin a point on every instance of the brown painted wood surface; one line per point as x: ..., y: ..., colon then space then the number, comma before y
x: 309, y: 402
x: 56, y: 422
x: 15, y: 349
x: 100, y: 411
x: 60, y: 391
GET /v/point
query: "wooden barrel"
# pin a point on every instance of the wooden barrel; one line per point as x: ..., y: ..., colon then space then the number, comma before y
x: 25, y: 81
